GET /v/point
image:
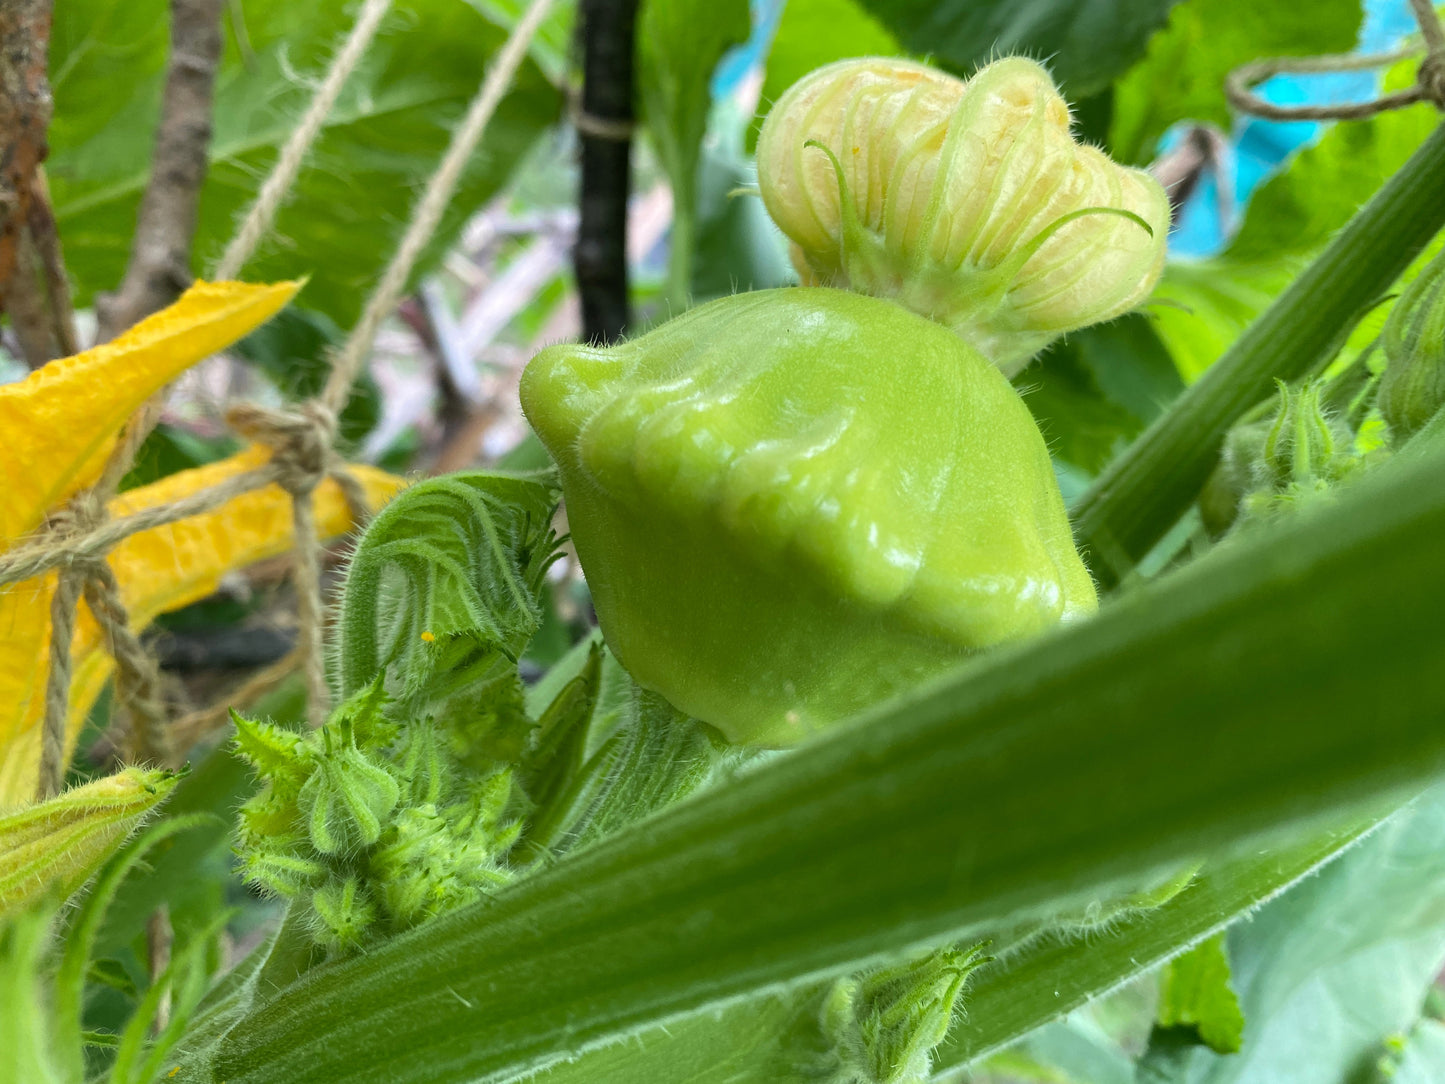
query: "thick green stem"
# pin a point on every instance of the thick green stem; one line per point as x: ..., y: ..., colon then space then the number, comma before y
x: 1199, y: 715
x: 679, y: 259
x: 768, y: 1038
x: 1145, y: 491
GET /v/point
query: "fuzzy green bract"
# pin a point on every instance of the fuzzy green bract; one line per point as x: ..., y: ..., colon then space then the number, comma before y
x: 1412, y: 389
x: 404, y: 804
x: 445, y: 586
x: 371, y: 826
x: 792, y: 503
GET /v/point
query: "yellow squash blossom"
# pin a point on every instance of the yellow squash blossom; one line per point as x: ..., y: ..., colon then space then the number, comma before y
x: 60, y: 448
x: 58, y: 425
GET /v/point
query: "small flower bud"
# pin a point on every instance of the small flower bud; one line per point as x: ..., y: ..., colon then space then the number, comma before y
x: 421, y: 764
x: 284, y: 871
x: 1412, y: 389
x: 276, y: 753
x: 343, y: 914
x: 60, y: 842
x: 968, y: 201
x: 884, y: 1025
x: 1304, y: 446
x: 1266, y: 465
x: 345, y: 801
x: 430, y: 864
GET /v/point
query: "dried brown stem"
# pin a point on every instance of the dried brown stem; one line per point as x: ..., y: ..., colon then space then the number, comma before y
x: 160, y: 260
x: 25, y: 303
x: 25, y: 107
x: 45, y: 235
x: 1203, y: 150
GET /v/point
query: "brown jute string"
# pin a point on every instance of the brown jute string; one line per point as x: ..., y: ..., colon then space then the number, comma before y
x: 1429, y: 83
x: 278, y: 184
x: 57, y: 681
x: 301, y: 444
x: 138, y: 685
x: 137, y: 678
x: 57, y: 548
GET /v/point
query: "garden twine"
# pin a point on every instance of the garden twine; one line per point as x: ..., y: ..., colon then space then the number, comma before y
x: 1429, y: 85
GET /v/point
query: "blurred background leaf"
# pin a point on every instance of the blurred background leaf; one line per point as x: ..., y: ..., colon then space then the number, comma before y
x: 1336, y: 966
x: 1182, y: 74
x: 350, y: 204
x: 679, y: 44
x: 1096, y: 390
x: 812, y: 33
x: 1086, y: 43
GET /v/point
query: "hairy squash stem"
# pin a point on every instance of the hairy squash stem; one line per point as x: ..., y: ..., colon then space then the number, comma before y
x: 757, y: 1039
x: 1201, y: 714
x: 1145, y: 491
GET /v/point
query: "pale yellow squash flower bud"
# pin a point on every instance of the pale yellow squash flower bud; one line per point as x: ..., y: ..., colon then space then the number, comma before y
x: 970, y: 202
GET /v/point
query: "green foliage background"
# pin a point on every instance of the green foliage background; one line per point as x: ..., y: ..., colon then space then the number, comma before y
x: 696, y: 945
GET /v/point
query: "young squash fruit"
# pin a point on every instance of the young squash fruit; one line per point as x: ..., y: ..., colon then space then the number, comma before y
x: 793, y: 503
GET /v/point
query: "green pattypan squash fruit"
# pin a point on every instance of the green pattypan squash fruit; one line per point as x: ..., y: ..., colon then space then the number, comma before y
x: 792, y: 503
x: 969, y: 202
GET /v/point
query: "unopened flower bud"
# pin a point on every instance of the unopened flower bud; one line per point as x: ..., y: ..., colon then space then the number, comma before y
x: 884, y: 1024
x: 1273, y: 463
x: 343, y: 914
x: 1412, y: 389
x: 1304, y: 446
x: 968, y: 201
x: 58, y: 843
x: 345, y: 801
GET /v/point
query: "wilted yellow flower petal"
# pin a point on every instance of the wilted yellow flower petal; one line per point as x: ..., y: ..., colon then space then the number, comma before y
x: 969, y: 202
x: 57, y: 426
x: 160, y: 569
x: 60, y: 842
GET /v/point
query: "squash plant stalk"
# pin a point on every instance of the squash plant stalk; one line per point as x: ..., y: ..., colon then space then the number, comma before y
x: 1040, y: 776
x: 1145, y: 491
x: 756, y: 1039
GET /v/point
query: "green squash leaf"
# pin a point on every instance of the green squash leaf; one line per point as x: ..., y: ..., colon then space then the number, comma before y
x: 1096, y: 390
x: 679, y: 43
x: 553, y: 41
x: 1423, y: 1060
x: 1074, y: 1050
x: 448, y: 575
x: 383, y: 139
x: 1197, y: 995
x: 1182, y: 74
x: 1333, y: 968
x: 1087, y: 43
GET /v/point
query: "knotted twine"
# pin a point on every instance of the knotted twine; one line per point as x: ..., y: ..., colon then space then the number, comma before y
x: 137, y: 678
x: 1429, y: 85
x: 301, y: 445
